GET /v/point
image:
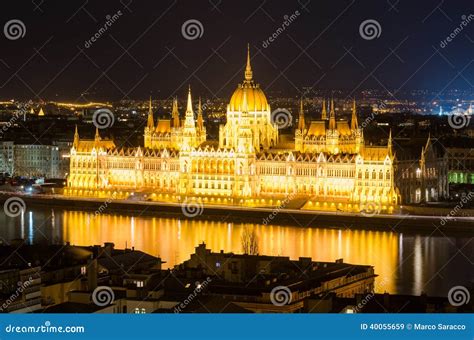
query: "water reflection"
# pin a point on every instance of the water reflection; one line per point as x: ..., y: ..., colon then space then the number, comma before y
x: 408, y: 264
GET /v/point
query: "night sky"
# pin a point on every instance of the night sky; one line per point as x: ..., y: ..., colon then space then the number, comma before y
x: 144, y: 51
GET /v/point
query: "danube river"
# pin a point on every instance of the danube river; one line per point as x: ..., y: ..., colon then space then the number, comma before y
x: 406, y: 263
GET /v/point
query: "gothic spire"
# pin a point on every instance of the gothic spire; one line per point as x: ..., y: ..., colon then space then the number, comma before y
x: 354, y: 124
x: 324, y: 112
x: 301, y: 122
x: 332, y: 117
x: 175, y: 113
x: 200, y: 122
x: 76, y: 138
x: 150, y: 124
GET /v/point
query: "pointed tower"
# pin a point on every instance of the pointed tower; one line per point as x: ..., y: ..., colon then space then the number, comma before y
x: 97, y: 136
x: 189, y: 119
x: 324, y: 112
x: 189, y: 129
x: 150, y: 124
x: 76, y: 138
x: 332, y: 117
x: 428, y: 141
x: 248, y: 68
x: 354, y: 124
x: 175, y: 114
x: 389, y: 144
x: 301, y: 122
x: 200, y: 122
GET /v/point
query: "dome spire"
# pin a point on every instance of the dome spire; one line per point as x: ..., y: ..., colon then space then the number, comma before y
x: 248, y: 68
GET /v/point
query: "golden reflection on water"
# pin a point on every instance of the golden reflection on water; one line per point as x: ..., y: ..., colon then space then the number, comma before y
x: 174, y: 240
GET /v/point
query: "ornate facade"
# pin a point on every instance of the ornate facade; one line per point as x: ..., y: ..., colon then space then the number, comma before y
x: 328, y: 167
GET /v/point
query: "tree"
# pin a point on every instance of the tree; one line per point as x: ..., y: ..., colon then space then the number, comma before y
x: 249, y: 241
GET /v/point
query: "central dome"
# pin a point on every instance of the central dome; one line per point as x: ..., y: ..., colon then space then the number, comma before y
x: 256, y: 99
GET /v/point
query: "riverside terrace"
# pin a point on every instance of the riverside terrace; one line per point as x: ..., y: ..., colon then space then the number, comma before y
x: 102, y: 279
x: 409, y: 219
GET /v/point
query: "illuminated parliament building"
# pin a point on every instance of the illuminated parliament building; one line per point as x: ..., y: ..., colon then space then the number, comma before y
x: 328, y: 166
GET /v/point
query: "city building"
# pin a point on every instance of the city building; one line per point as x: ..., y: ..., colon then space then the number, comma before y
x: 30, y: 160
x: 421, y: 173
x: 328, y: 165
x: 20, y: 288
